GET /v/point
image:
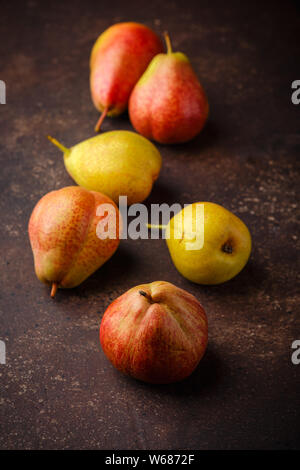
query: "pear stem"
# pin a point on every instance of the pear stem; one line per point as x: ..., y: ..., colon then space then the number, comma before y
x: 168, y: 42
x: 58, y: 144
x: 54, y: 289
x: 101, y: 119
x: 148, y: 297
x: 156, y: 226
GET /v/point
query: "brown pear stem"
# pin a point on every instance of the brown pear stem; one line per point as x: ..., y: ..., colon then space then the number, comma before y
x: 147, y: 296
x: 101, y: 119
x: 168, y: 42
x: 54, y: 289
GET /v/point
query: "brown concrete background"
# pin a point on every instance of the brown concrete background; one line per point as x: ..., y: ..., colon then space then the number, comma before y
x: 57, y: 388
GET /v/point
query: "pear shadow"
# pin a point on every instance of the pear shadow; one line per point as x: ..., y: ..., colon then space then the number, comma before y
x: 209, y: 137
x: 121, y: 122
x: 162, y: 194
x: 251, y: 279
x: 107, y: 278
x: 205, y: 379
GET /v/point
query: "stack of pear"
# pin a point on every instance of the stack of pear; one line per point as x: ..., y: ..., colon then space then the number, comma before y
x: 116, y: 163
x: 168, y: 104
x: 64, y: 236
x: 119, y: 57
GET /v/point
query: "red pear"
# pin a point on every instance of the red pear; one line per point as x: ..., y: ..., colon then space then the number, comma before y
x: 119, y: 57
x: 168, y: 104
x: 64, y: 232
x: 155, y: 332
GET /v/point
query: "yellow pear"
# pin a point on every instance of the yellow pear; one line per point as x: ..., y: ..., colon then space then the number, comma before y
x: 116, y: 163
x: 208, y: 245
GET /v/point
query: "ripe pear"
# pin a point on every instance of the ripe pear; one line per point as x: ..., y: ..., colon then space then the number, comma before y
x: 116, y: 163
x: 210, y: 248
x: 155, y: 332
x: 168, y: 103
x: 119, y: 57
x: 64, y: 237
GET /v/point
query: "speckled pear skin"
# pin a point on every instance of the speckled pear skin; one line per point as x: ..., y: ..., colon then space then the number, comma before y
x: 168, y: 103
x: 62, y: 232
x: 119, y: 57
x: 116, y: 163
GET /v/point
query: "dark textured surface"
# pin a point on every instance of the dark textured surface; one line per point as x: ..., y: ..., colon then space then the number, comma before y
x: 57, y: 388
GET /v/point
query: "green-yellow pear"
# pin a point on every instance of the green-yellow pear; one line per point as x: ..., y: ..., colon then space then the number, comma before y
x: 208, y: 244
x: 116, y: 163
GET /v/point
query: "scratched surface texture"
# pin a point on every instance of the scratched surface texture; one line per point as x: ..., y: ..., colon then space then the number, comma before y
x: 58, y: 391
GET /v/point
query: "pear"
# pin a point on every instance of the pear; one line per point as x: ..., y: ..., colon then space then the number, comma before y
x: 119, y: 57
x: 168, y: 103
x: 116, y: 163
x: 64, y: 237
x: 208, y: 244
x: 155, y: 332
x: 208, y: 247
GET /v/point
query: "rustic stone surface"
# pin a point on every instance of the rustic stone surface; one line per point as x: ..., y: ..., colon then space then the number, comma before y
x: 57, y: 388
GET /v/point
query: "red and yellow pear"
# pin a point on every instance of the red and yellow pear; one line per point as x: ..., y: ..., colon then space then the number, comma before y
x: 119, y: 57
x: 168, y: 103
x: 64, y: 235
x: 155, y: 332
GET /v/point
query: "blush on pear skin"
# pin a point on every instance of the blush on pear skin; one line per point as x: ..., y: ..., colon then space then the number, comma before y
x: 155, y: 332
